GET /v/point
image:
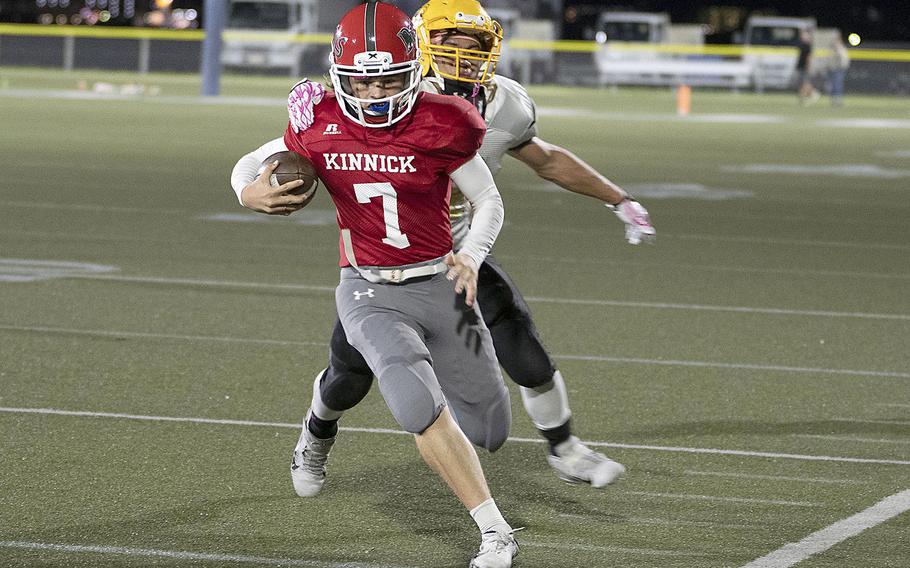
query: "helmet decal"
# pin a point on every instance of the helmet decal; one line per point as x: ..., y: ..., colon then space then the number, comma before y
x: 408, y: 37
x: 338, y: 45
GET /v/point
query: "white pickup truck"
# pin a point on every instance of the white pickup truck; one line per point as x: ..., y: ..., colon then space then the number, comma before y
x: 260, y: 33
x: 643, y: 48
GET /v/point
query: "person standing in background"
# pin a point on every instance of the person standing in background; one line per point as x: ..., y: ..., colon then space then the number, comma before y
x: 807, y: 93
x: 837, y: 73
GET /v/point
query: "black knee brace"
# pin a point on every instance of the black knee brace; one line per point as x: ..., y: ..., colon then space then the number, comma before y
x: 518, y: 346
x: 348, y: 378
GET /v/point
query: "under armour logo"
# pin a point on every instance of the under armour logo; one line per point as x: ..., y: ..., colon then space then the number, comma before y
x: 368, y: 294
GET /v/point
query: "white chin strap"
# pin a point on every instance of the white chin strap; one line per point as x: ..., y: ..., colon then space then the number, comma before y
x: 547, y: 405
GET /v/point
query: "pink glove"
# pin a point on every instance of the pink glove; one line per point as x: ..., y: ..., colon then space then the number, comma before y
x: 303, y: 97
x: 636, y: 219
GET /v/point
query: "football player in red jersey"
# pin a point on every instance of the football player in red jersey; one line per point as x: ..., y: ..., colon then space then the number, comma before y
x: 388, y: 155
x: 460, y: 47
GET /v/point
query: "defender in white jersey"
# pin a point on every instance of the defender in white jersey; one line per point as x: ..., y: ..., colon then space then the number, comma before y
x: 460, y: 44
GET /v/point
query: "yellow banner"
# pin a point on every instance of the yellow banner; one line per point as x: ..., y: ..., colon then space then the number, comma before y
x: 112, y: 32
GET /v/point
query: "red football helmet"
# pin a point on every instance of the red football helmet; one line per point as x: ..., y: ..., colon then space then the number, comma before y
x: 375, y: 40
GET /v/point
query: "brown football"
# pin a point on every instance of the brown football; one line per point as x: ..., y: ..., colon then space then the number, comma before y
x: 292, y: 166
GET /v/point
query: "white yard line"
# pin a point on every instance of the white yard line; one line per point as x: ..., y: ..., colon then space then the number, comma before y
x: 787, y: 242
x: 852, y: 439
x: 709, y: 308
x: 268, y: 561
x: 714, y: 498
x: 143, y: 335
x: 540, y: 299
x: 613, y: 549
x: 208, y: 283
x: 295, y: 225
x: 296, y: 425
x: 774, y: 477
x: 597, y: 358
x: 822, y: 540
x: 741, y: 366
x: 862, y: 421
x: 88, y: 207
x: 183, y: 555
x: 715, y: 268
x: 544, y: 111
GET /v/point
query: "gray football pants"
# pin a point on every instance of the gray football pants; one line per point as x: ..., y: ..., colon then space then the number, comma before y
x: 428, y: 349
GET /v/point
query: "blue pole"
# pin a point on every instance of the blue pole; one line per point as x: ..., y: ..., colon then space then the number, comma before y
x: 213, y: 14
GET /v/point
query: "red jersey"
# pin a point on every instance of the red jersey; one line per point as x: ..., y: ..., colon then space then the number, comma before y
x: 391, y: 185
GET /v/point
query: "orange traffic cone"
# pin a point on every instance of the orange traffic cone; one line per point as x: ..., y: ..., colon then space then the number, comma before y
x: 683, y: 100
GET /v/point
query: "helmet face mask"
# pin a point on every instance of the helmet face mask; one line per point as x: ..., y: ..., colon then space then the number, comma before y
x: 375, y: 43
x: 375, y: 112
x: 438, y: 20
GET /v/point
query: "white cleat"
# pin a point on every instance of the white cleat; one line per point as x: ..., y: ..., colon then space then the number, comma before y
x: 577, y: 463
x: 308, y: 462
x: 497, y: 549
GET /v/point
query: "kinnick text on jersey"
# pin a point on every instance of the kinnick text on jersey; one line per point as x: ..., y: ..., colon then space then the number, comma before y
x: 369, y: 163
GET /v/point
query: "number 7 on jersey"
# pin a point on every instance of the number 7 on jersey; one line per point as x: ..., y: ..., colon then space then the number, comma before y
x: 367, y: 191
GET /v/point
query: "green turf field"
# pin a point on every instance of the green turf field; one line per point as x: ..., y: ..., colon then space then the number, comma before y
x: 751, y: 369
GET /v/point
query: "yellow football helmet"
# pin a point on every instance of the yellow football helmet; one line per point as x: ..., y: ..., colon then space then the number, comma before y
x: 466, y: 16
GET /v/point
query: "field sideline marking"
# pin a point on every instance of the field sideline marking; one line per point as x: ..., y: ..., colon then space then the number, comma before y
x: 596, y: 358
x: 631, y: 360
x: 181, y: 555
x: 792, y: 242
x: 617, y: 549
x: 564, y: 112
x: 862, y: 421
x: 716, y: 268
x: 851, y: 439
x: 683, y: 236
x: 58, y: 412
x: 709, y: 308
x: 724, y: 499
x: 832, y: 535
x: 774, y: 477
x: 263, y: 560
x: 541, y: 299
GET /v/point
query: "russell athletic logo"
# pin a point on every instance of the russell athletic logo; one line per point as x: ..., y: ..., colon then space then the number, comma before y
x: 369, y: 163
x: 331, y: 129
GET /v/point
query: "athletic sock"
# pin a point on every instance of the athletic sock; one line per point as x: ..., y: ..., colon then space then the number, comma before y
x: 558, y: 435
x: 322, y: 429
x: 488, y: 518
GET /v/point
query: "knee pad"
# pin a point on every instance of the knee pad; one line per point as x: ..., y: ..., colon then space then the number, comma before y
x: 492, y: 431
x: 412, y: 401
x: 547, y: 405
x: 500, y: 422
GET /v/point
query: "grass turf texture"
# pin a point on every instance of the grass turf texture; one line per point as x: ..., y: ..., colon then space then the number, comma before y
x: 192, y: 325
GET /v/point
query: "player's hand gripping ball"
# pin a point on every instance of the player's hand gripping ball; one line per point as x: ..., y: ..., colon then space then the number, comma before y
x: 291, y: 167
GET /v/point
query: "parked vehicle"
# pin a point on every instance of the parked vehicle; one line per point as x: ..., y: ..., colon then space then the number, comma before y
x: 644, y: 48
x: 261, y: 33
x: 775, y: 70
